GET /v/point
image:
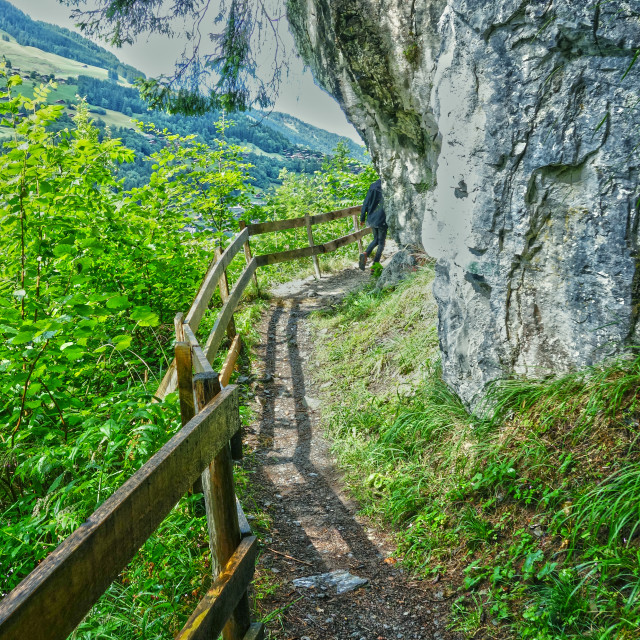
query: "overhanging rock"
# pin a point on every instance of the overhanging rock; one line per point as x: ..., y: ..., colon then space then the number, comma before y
x: 506, y: 141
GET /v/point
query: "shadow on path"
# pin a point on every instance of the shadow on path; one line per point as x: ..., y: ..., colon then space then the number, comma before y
x: 315, y: 528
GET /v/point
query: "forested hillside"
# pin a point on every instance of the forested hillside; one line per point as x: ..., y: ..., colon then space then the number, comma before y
x: 60, y: 41
x: 305, y: 134
x: 273, y: 141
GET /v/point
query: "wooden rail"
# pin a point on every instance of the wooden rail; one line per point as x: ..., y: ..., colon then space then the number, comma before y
x: 51, y: 601
x: 210, y: 282
x: 220, y: 326
x: 305, y: 252
x: 216, y: 276
x: 200, y: 362
x: 293, y: 223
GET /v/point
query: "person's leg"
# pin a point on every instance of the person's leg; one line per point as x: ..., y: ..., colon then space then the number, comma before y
x: 362, y: 261
x: 374, y: 243
x: 382, y: 236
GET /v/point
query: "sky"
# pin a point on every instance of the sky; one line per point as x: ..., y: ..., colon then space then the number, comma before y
x: 299, y: 95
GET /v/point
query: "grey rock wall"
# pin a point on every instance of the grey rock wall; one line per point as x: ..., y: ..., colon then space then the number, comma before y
x: 485, y: 121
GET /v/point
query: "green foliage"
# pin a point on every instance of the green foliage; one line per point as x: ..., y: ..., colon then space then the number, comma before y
x: 81, y: 265
x: 412, y: 52
x: 91, y: 276
x: 190, y: 176
x: 611, y: 509
x: 90, y: 279
x: 277, y: 146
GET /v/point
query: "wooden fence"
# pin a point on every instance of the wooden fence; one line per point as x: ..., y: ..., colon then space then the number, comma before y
x: 52, y: 600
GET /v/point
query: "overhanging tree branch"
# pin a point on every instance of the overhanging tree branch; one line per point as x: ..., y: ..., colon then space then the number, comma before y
x: 224, y: 40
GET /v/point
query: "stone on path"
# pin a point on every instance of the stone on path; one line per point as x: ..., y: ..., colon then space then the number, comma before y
x: 312, y: 403
x: 342, y: 580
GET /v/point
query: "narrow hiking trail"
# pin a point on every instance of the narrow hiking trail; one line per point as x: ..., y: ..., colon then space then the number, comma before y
x: 315, y: 526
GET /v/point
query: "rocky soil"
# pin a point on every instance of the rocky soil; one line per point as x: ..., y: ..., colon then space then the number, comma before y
x: 316, y: 528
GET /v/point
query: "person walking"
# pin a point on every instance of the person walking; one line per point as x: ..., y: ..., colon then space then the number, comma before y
x: 373, y: 211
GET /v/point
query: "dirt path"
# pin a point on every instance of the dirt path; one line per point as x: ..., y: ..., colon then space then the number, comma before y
x: 316, y: 528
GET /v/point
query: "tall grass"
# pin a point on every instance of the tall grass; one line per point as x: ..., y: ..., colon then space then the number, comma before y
x: 530, y: 507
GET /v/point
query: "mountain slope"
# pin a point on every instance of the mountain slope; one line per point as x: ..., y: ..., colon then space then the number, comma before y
x: 26, y: 59
x: 60, y: 41
x: 307, y: 135
x: 274, y: 141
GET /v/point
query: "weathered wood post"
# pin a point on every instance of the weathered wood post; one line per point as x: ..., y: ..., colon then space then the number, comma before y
x: 316, y: 263
x: 225, y: 376
x: 355, y: 228
x: 184, y: 371
x: 222, y: 515
x: 230, y: 360
x: 177, y: 323
x: 224, y: 294
x: 236, y: 344
x: 247, y: 257
x: 185, y: 381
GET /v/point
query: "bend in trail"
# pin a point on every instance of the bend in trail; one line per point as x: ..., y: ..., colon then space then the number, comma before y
x: 316, y: 528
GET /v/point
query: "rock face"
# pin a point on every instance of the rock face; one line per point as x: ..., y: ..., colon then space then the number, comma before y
x: 505, y: 138
x: 397, y: 269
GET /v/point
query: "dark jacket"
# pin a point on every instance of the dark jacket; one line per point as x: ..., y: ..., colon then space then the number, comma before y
x: 373, y: 206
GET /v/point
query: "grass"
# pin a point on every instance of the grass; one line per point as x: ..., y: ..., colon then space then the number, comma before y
x: 529, y: 509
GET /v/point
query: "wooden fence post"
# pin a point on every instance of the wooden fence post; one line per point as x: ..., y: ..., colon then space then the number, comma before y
x: 222, y: 515
x: 224, y: 294
x: 205, y: 388
x: 184, y: 366
x: 236, y: 441
x: 316, y: 263
x: 225, y: 376
x: 185, y: 381
x: 355, y: 228
x: 177, y: 323
x: 247, y: 257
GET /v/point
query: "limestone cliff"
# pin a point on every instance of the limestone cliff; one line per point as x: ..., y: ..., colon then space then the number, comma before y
x: 506, y: 140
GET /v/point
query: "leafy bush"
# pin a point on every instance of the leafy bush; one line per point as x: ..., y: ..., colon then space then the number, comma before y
x: 90, y: 279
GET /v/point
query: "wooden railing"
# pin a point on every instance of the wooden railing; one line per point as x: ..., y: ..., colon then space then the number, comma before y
x: 51, y: 601
x: 217, y: 270
x: 313, y: 250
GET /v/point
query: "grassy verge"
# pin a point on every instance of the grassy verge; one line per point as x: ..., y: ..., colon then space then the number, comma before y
x: 527, y: 513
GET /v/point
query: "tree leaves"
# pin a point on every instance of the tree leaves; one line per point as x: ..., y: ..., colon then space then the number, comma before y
x: 122, y: 342
x: 145, y: 317
x: 91, y: 279
x: 63, y: 250
x: 118, y: 302
x: 23, y: 337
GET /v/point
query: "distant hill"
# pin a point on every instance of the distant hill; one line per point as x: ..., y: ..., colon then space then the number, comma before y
x: 61, y: 41
x: 274, y: 141
x: 305, y: 134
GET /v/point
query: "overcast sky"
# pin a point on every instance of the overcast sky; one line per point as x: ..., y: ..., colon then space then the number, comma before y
x: 299, y: 95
